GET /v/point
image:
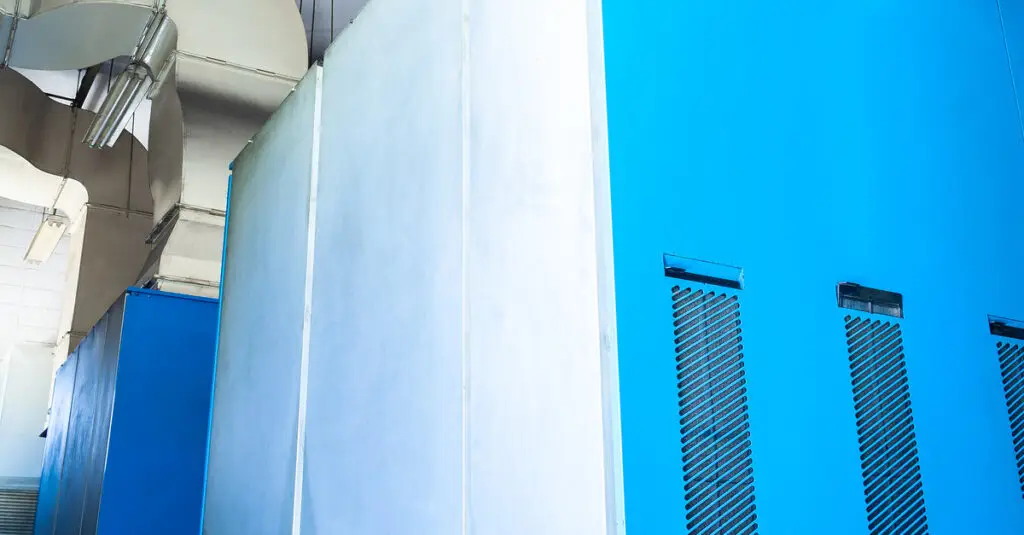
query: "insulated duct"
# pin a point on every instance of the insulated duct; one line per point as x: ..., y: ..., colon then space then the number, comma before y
x: 45, y: 134
x: 215, y: 74
x: 233, y: 67
x: 149, y: 65
x: 60, y: 35
x: 42, y: 160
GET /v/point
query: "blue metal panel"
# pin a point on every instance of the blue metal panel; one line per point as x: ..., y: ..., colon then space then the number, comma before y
x: 811, y: 143
x: 53, y: 453
x: 136, y: 418
x: 156, y: 459
x: 104, y: 371
x: 89, y: 425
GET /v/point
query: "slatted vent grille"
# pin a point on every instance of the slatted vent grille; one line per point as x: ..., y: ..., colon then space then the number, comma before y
x: 1011, y: 362
x: 17, y: 511
x: 885, y: 425
x: 717, y: 473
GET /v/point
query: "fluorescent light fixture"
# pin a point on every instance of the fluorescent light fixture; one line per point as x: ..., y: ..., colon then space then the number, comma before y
x: 51, y: 230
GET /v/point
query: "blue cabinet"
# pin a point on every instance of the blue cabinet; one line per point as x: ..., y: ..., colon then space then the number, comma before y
x: 126, y: 446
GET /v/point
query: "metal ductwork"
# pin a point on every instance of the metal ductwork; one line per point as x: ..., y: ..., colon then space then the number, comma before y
x: 39, y: 147
x: 230, y: 73
x: 61, y: 35
x: 214, y: 73
x: 149, y: 65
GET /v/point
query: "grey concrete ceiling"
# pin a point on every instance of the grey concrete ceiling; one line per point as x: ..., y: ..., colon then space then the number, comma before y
x: 325, y: 19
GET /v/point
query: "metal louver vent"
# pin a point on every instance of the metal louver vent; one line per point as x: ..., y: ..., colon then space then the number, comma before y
x: 885, y: 426
x: 17, y: 511
x: 718, y: 476
x: 1011, y: 362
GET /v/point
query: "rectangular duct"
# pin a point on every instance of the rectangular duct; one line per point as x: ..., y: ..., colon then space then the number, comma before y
x: 893, y: 490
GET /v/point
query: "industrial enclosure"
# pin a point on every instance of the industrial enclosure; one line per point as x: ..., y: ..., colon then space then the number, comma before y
x: 869, y: 143
x: 127, y: 437
x: 530, y: 267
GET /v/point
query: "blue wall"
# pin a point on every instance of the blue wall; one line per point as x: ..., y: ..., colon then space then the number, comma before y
x: 812, y: 142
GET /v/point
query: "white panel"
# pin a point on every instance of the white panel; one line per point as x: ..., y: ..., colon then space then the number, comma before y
x: 456, y: 381
x: 384, y: 439
x: 536, y: 437
x: 460, y: 320
x: 24, y: 410
x: 253, y: 438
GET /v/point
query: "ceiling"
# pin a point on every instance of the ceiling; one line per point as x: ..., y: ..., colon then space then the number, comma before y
x: 325, y: 19
x: 31, y: 296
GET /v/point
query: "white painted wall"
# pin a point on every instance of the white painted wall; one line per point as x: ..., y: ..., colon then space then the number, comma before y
x: 24, y: 388
x: 452, y: 368
x: 31, y: 297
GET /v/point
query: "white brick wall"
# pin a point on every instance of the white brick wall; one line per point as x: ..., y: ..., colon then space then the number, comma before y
x: 30, y: 295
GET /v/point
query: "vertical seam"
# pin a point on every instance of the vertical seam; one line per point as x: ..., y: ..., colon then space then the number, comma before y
x: 307, y: 311
x: 64, y: 447
x: 110, y: 421
x: 216, y: 345
x: 466, y: 109
x: 600, y: 170
x: 1009, y: 66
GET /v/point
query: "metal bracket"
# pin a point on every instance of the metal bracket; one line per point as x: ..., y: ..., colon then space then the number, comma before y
x: 9, y: 46
x: 169, y: 219
x: 164, y: 225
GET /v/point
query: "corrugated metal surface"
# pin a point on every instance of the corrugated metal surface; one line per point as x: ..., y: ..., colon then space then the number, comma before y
x: 17, y: 511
